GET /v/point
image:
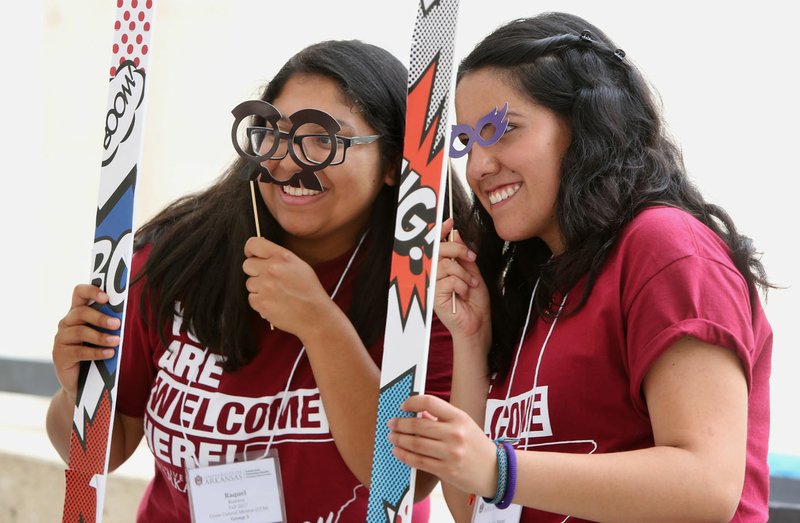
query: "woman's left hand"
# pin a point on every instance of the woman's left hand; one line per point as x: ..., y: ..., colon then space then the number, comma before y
x: 284, y: 289
x: 446, y: 443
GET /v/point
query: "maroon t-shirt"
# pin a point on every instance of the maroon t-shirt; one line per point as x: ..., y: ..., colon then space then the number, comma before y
x: 227, y: 415
x: 668, y: 277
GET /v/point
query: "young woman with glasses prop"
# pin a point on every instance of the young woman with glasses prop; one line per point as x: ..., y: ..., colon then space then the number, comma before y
x: 240, y: 416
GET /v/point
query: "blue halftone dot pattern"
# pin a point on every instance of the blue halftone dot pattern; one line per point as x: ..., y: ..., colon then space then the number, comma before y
x: 395, y: 475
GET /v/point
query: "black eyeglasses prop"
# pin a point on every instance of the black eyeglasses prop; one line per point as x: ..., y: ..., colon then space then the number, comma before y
x: 312, y: 142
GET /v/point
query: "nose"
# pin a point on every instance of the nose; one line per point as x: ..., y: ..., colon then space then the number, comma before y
x: 481, y: 163
x: 282, y: 169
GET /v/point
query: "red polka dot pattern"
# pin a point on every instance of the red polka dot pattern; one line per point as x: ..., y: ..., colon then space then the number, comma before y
x: 132, y: 38
x: 85, y: 462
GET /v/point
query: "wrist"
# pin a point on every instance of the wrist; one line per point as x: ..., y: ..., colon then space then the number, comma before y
x: 324, y: 321
x: 501, y: 468
x: 506, y: 475
x: 511, y: 482
x: 477, y: 343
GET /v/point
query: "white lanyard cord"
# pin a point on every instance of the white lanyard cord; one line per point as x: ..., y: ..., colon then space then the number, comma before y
x: 529, y: 417
x: 303, y: 349
x: 519, y: 349
x: 291, y: 374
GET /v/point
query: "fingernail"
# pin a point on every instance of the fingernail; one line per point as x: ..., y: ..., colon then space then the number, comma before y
x: 474, y: 281
x: 108, y: 353
x: 112, y: 340
x: 112, y: 322
x: 102, y: 295
x: 471, y: 255
x: 390, y: 424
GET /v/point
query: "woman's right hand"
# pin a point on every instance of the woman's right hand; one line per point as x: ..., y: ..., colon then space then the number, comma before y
x: 458, y: 272
x: 76, y: 330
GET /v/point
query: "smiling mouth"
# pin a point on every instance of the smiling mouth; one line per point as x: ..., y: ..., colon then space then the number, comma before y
x: 299, y: 191
x: 504, y: 193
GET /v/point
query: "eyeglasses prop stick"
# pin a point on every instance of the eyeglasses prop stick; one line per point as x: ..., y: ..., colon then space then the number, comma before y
x: 255, y: 218
x: 255, y: 207
x: 453, y: 230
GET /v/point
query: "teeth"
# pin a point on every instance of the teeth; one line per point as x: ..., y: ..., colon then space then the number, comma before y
x: 504, y: 193
x: 297, y: 191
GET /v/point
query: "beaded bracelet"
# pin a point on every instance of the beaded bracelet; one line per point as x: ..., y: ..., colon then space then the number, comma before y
x: 511, y: 484
x: 502, y: 474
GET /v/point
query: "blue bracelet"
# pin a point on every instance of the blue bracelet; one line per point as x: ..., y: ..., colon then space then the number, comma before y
x: 502, y: 475
x: 512, y: 476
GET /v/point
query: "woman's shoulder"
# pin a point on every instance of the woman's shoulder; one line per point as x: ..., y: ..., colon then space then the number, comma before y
x: 141, y: 253
x: 661, y: 236
x: 673, y: 232
x: 657, y: 220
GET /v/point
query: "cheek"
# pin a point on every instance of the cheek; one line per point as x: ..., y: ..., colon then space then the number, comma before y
x: 357, y: 185
x: 365, y: 175
x: 265, y: 191
x: 473, y: 184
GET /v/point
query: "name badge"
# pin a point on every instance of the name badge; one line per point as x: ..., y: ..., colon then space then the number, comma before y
x: 487, y: 513
x: 248, y: 491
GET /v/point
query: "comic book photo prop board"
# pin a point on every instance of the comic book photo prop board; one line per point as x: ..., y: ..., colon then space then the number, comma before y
x: 415, y: 251
x: 113, y: 248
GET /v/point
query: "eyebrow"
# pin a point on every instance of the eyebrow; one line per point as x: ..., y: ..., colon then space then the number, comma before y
x: 509, y: 114
x: 346, y: 126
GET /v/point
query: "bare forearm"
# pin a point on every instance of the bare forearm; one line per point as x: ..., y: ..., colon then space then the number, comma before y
x: 348, y: 381
x: 125, y: 434
x: 470, y: 382
x: 468, y: 392
x: 655, y: 484
x: 59, y: 422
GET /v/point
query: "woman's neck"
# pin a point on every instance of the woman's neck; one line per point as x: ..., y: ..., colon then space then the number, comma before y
x: 315, y: 251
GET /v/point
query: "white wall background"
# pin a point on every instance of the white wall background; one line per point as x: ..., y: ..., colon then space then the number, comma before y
x: 727, y: 76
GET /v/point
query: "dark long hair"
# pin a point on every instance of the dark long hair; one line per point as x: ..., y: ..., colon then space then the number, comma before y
x: 198, y: 240
x: 620, y: 161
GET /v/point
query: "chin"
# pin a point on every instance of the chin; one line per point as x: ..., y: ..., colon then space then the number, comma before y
x: 513, y: 235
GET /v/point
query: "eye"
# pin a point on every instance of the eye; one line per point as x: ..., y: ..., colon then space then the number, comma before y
x: 323, y: 141
x: 488, y: 131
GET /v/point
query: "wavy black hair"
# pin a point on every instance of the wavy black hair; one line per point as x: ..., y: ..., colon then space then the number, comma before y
x: 620, y: 161
x: 198, y: 240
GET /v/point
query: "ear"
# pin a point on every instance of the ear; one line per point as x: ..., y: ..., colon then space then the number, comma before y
x: 390, y: 175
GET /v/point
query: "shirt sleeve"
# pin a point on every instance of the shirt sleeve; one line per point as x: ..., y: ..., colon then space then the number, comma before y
x: 440, y: 361
x: 136, y: 368
x: 701, y: 295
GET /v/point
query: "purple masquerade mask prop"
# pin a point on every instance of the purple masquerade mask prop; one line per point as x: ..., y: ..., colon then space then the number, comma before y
x: 463, y: 136
x: 311, y: 152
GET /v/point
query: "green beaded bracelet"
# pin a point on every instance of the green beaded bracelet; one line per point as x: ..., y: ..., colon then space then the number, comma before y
x: 502, y: 475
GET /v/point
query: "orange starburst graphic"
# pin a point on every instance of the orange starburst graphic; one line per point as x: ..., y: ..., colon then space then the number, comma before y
x: 419, y: 186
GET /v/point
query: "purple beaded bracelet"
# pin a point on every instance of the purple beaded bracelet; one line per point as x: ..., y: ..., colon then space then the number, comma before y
x: 512, y: 476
